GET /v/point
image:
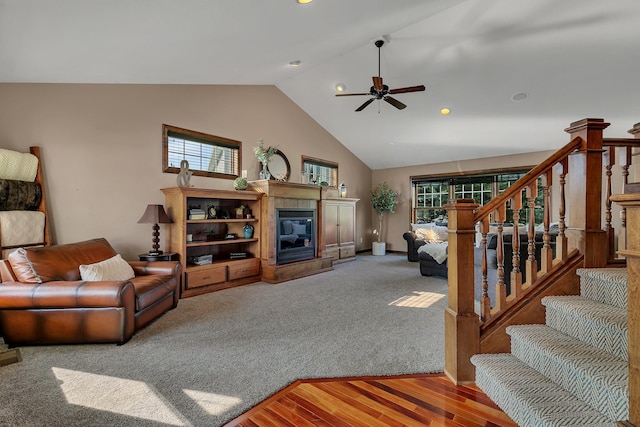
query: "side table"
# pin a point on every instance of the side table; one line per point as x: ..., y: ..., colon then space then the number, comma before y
x: 171, y: 256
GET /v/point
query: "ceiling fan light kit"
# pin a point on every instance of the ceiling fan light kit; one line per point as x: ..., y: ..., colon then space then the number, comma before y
x: 380, y: 91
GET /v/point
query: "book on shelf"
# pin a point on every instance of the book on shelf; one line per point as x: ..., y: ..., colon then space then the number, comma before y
x: 202, y: 259
x: 197, y: 214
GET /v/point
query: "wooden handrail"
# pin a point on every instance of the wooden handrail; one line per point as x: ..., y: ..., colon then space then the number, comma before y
x: 532, y: 175
x: 621, y: 142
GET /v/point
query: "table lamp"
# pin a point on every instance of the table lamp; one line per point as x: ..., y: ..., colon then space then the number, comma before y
x: 155, y: 214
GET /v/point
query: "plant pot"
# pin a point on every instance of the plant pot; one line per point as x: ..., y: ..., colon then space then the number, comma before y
x: 378, y: 248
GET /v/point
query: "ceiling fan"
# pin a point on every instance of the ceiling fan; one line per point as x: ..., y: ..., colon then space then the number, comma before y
x: 382, y: 91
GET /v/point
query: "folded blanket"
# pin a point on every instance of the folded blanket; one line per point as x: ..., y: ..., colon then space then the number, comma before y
x: 21, y: 228
x: 19, y: 195
x: 437, y: 251
x: 18, y: 166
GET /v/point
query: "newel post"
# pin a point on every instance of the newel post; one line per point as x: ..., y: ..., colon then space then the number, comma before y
x: 461, y: 322
x: 584, y: 196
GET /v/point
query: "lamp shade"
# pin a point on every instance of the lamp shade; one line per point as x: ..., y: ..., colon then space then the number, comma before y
x: 155, y: 214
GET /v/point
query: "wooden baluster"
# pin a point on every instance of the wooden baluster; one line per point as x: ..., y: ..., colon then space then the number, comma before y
x: 609, y: 159
x: 532, y: 263
x: 625, y: 162
x: 562, y: 250
x: 485, y: 301
x: 516, y: 274
x: 501, y: 288
x: 546, y: 255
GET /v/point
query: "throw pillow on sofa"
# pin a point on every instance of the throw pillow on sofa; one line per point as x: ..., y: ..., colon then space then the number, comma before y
x: 114, y: 268
x: 22, y: 267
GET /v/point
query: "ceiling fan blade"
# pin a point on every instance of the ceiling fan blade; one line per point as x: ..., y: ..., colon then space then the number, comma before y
x: 377, y: 83
x: 399, y: 105
x: 408, y: 89
x: 363, y: 106
x: 352, y: 94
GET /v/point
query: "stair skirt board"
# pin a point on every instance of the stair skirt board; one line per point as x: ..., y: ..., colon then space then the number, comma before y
x: 600, y: 325
x: 530, y: 398
x: 593, y: 375
x: 605, y: 285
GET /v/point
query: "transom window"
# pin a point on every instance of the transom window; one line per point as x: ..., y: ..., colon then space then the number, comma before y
x: 320, y: 171
x: 208, y: 155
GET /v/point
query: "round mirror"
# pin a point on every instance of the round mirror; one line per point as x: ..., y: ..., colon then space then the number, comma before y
x: 279, y: 166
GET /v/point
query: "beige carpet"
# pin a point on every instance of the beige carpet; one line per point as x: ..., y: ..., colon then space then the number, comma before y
x: 219, y: 354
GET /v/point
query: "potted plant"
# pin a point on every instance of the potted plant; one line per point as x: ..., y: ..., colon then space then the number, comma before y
x: 264, y: 157
x: 383, y: 200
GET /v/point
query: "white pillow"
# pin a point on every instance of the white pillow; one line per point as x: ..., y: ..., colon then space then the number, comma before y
x: 114, y: 268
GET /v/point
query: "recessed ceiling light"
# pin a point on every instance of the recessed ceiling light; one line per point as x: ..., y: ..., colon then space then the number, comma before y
x: 304, y: 1
x: 445, y: 111
x: 341, y: 87
x: 520, y: 96
x: 295, y: 63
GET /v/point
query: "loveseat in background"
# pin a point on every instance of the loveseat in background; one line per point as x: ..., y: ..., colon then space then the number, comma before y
x: 416, y: 239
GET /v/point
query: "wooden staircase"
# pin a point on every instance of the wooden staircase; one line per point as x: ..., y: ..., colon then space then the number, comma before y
x: 573, y: 188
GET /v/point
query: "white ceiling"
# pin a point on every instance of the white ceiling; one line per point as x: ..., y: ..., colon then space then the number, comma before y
x: 574, y: 58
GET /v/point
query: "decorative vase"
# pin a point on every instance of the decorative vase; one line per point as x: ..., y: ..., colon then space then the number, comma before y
x: 264, y: 173
x: 248, y: 231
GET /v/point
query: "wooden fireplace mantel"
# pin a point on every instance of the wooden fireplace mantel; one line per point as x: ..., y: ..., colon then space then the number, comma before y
x: 286, y: 190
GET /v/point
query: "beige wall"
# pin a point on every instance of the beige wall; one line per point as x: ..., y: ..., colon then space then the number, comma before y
x: 399, y: 179
x: 102, y: 148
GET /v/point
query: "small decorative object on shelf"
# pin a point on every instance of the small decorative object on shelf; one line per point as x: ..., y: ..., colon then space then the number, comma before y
x: 212, y: 212
x: 248, y: 231
x: 240, y: 212
x: 230, y: 236
x: 343, y: 190
x: 240, y: 183
x: 184, y: 176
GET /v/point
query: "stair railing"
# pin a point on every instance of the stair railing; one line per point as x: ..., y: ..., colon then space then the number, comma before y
x: 581, y: 167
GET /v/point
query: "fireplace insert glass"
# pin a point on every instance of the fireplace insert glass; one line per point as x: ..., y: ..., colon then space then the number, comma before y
x: 295, y: 234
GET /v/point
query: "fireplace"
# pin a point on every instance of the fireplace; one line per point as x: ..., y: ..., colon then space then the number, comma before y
x: 295, y: 234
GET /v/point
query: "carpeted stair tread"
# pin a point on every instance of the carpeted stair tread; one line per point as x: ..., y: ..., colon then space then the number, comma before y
x: 600, y: 325
x: 605, y: 285
x: 530, y: 398
x: 593, y: 375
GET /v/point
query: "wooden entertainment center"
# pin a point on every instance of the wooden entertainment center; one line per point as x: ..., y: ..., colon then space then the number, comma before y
x: 214, y: 252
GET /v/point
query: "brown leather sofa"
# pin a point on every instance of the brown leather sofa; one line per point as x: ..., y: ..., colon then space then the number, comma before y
x: 64, y: 309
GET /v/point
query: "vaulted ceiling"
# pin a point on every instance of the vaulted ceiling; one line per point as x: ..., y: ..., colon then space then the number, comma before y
x: 572, y: 58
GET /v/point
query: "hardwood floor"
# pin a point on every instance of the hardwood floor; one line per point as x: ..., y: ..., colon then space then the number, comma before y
x: 415, y: 400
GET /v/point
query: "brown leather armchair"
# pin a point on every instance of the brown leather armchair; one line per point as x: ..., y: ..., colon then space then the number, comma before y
x: 44, y: 300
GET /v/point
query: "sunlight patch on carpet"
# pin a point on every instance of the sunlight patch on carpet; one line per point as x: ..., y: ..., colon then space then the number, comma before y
x: 418, y: 300
x: 118, y: 395
x: 214, y: 404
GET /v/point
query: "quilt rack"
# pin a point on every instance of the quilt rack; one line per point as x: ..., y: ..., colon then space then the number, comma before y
x: 24, y: 219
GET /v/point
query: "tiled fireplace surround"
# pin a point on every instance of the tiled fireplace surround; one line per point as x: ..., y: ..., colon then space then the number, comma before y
x: 279, y: 195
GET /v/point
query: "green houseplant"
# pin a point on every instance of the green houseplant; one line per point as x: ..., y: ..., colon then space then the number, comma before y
x: 383, y: 200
